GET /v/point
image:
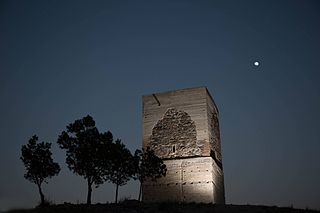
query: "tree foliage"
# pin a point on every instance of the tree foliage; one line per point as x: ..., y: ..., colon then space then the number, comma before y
x: 84, y: 144
x: 37, y: 159
x: 92, y: 155
x: 121, y: 166
x: 148, y: 166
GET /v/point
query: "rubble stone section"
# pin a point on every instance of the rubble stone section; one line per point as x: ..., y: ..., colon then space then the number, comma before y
x: 191, y: 101
x: 182, y: 127
x: 214, y: 130
x: 175, y: 136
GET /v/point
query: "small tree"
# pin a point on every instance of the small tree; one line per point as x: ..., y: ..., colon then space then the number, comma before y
x: 121, y: 167
x: 82, y: 142
x: 148, y: 166
x: 37, y: 159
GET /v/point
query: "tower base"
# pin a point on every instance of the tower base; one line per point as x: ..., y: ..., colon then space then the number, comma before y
x: 195, y: 179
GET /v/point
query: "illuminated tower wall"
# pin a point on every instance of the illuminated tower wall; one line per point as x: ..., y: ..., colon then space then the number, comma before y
x: 182, y: 127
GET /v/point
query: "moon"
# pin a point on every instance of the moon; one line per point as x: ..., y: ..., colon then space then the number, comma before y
x: 256, y: 63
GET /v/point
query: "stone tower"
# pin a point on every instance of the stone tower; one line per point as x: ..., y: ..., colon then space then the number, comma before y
x: 182, y: 127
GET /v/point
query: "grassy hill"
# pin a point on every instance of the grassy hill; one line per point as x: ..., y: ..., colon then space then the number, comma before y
x: 136, y: 207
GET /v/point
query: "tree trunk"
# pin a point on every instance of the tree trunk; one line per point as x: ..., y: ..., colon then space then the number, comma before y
x: 140, y: 191
x: 41, y: 195
x: 89, y: 191
x: 117, y: 187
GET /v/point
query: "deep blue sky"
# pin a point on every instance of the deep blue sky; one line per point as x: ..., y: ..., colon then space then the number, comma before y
x: 61, y: 60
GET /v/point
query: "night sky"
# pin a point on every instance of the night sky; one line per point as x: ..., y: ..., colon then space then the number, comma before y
x: 61, y: 60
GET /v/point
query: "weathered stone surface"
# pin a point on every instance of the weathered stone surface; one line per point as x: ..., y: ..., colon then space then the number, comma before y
x: 188, y: 180
x: 182, y: 128
x: 175, y: 135
x: 191, y: 101
x: 215, y: 136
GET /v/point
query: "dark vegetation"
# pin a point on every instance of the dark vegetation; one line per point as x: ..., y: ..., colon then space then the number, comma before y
x: 131, y: 206
x: 121, y: 166
x: 91, y: 154
x: 39, y: 164
x: 98, y: 158
x: 148, y: 165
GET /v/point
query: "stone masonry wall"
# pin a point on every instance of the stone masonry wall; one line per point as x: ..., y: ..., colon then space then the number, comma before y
x: 191, y: 101
x: 175, y: 136
x: 214, y: 133
x: 182, y: 128
x: 187, y: 180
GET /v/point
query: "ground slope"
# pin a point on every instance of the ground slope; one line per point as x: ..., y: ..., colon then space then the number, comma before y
x: 135, y: 207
